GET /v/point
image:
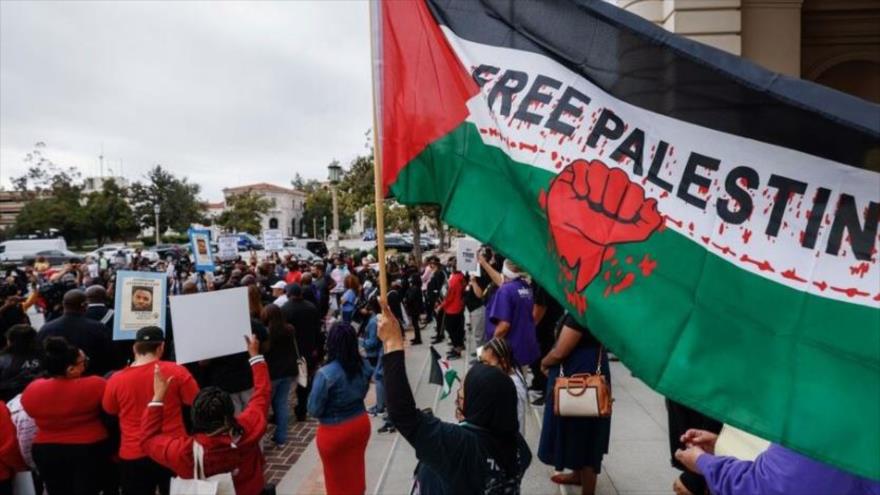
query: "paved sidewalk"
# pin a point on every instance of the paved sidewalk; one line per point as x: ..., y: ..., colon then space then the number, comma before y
x: 637, y: 464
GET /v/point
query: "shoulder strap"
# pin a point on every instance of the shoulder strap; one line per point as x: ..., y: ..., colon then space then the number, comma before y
x: 198, y: 461
x: 107, y: 316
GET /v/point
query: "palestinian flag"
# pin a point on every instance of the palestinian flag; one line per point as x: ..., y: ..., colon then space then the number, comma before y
x: 714, y: 224
x: 442, y: 373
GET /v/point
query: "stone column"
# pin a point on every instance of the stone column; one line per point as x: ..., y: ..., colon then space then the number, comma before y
x: 771, y: 34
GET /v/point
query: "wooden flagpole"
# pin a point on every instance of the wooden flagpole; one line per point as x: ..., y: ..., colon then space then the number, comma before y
x: 375, y: 34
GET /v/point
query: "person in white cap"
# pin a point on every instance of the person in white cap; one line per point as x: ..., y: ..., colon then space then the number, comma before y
x: 278, y: 292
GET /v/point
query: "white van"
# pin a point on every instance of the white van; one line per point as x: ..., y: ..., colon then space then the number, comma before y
x: 15, y: 250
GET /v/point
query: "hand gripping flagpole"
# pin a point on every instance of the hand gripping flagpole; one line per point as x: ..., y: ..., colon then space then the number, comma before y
x: 375, y: 52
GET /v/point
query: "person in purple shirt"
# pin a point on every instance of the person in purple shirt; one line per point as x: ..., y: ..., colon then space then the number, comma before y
x: 509, y: 315
x: 777, y: 470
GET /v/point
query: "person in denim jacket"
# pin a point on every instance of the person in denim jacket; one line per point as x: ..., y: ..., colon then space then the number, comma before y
x: 337, y: 401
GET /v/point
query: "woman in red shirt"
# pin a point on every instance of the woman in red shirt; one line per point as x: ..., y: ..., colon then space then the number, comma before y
x: 70, y: 449
x: 231, y: 443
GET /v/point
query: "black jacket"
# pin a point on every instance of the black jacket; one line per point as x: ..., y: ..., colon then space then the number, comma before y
x: 453, y: 458
x: 122, y: 352
x: 85, y: 333
x: 281, y: 354
x: 233, y: 373
x: 17, y: 371
x: 306, y: 322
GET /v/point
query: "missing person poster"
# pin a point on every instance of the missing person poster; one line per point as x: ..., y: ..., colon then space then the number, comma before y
x: 210, y: 324
x: 273, y: 240
x: 200, y: 240
x: 227, y: 247
x: 139, y: 302
x: 466, y: 255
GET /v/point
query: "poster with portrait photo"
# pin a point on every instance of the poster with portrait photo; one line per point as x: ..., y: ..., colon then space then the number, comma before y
x: 139, y: 302
x: 200, y: 242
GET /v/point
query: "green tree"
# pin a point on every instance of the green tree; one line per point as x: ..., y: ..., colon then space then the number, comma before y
x: 109, y: 214
x: 54, y: 198
x: 318, y: 206
x: 179, y: 205
x: 244, y: 212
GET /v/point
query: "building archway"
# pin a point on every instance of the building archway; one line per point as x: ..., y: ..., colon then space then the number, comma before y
x: 856, y: 77
x: 273, y: 223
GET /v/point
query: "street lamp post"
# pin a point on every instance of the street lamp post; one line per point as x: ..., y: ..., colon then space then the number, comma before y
x: 335, y: 171
x: 156, y: 211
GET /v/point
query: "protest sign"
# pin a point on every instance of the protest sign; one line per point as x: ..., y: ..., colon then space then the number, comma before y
x: 227, y: 247
x: 273, y: 240
x: 210, y: 324
x: 466, y: 256
x: 140, y: 302
x: 200, y: 240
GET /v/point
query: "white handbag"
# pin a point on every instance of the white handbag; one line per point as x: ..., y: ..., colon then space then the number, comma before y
x: 219, y: 484
x: 302, y: 367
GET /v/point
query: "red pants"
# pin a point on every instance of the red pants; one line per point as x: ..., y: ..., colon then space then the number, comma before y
x: 342, y: 447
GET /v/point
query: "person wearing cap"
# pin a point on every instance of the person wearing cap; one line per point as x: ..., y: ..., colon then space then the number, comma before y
x: 279, y: 292
x: 127, y: 394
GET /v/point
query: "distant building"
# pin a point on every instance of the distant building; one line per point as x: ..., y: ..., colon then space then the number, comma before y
x: 287, y: 212
x: 11, y: 203
x: 831, y: 42
x: 96, y: 184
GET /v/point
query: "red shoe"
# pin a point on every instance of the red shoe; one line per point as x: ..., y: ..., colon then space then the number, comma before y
x: 565, y: 479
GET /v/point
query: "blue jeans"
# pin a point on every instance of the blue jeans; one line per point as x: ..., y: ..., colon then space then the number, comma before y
x: 281, y: 407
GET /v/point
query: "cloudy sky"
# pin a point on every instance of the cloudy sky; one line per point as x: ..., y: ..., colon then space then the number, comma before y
x: 224, y: 93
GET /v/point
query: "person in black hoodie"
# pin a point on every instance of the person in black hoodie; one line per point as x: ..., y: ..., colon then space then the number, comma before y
x: 484, y: 453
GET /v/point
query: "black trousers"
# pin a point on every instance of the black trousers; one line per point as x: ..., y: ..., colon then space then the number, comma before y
x: 455, y: 327
x: 681, y: 418
x: 73, y: 469
x: 143, y: 476
x: 414, y: 318
x: 430, y: 302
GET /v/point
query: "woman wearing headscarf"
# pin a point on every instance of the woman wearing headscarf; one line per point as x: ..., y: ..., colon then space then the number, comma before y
x: 337, y: 401
x: 497, y: 353
x: 231, y: 442
x: 482, y: 454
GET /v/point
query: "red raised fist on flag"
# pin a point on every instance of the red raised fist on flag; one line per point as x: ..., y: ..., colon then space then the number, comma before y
x: 590, y: 207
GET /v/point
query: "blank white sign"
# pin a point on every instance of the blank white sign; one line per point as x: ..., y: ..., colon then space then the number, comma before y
x: 210, y: 324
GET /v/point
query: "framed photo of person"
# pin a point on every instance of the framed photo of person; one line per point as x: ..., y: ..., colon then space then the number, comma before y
x: 200, y: 241
x: 139, y: 302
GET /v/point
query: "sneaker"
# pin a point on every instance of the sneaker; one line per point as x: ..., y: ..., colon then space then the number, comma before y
x: 539, y: 401
x: 386, y: 428
x: 415, y: 342
x: 453, y: 355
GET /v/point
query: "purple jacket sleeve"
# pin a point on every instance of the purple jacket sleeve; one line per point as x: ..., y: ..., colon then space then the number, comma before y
x: 779, y: 470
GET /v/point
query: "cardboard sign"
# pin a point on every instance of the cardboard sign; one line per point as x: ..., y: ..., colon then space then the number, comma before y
x: 273, y: 240
x: 139, y: 302
x: 210, y: 324
x: 227, y: 246
x: 200, y: 240
x: 466, y: 253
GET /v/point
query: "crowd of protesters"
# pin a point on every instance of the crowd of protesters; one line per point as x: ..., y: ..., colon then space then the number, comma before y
x: 86, y: 414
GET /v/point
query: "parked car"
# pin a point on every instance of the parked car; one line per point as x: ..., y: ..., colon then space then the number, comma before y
x: 174, y: 251
x: 398, y: 243
x: 316, y: 246
x: 299, y: 253
x: 15, y: 250
x: 369, y: 235
x: 55, y: 257
x: 110, y: 250
x: 247, y: 242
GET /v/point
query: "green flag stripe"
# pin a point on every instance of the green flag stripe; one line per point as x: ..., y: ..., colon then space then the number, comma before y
x: 669, y: 324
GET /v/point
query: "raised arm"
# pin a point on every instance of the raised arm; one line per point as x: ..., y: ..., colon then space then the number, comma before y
x: 172, y: 451
x: 257, y: 409
x: 438, y: 444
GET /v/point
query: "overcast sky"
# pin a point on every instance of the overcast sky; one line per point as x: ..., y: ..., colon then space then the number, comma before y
x: 224, y: 93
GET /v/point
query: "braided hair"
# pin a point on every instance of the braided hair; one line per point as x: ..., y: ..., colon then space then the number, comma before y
x: 342, y: 346
x: 212, y: 410
x: 503, y: 352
